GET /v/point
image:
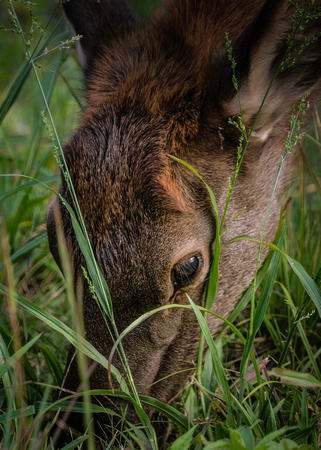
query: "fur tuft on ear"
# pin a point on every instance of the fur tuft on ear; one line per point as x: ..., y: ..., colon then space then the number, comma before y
x: 285, y: 64
x: 99, y: 22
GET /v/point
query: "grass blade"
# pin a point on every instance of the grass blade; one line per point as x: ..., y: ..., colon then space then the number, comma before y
x: 96, y: 276
x: 293, y: 378
x: 262, y: 306
x: 27, y: 248
x: 16, y: 356
x: 307, y: 282
x: 217, y: 365
x: 184, y: 441
x: 14, y: 91
x: 69, y: 334
x: 23, y: 412
x: 50, y: 179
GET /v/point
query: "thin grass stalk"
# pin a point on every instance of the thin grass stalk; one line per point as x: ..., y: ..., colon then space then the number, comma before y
x: 65, y: 167
x: 37, y: 434
x: 78, y: 324
x: 7, y: 380
x: 212, y: 285
x: 302, y: 217
x: 91, y: 352
x: 231, y: 187
x: 247, y: 138
x: 23, y: 75
x: 288, y: 147
x: 217, y: 367
x: 286, y: 345
x: 17, y: 375
x: 67, y: 332
x: 295, y: 323
x: 38, y: 129
x: 239, y: 162
x: 72, y: 91
x: 36, y: 137
x: 304, y: 422
x: 107, y: 300
x: 93, y: 272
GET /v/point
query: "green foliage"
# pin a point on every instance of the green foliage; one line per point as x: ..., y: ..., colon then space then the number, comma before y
x: 184, y: 441
x: 237, y: 400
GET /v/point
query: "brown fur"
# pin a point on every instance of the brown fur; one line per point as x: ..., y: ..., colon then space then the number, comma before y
x: 164, y: 87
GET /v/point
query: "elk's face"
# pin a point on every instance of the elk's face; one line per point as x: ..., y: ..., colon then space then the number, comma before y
x: 151, y: 227
x: 163, y: 87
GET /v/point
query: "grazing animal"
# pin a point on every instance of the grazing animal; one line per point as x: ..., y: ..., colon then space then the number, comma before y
x: 158, y: 87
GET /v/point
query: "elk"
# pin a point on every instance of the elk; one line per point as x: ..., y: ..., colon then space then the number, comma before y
x: 159, y: 87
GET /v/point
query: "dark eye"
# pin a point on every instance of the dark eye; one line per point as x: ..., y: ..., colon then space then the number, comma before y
x: 185, y: 270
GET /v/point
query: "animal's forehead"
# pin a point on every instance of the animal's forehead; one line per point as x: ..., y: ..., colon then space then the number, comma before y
x: 122, y: 176
x: 132, y: 200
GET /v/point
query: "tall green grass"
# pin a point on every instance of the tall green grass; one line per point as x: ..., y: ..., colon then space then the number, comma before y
x: 255, y: 390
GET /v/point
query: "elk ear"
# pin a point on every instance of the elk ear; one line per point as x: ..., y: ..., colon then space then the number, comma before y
x: 291, y: 62
x: 98, y: 22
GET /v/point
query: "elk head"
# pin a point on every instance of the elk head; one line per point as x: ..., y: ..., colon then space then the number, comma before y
x: 164, y: 87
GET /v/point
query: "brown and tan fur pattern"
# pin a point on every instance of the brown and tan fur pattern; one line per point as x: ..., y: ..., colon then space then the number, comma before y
x: 159, y: 87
